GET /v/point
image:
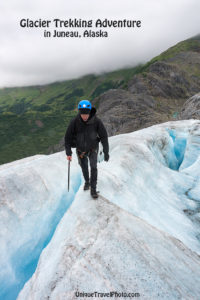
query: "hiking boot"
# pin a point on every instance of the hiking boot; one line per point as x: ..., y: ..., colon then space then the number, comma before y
x: 86, y: 186
x: 94, y: 193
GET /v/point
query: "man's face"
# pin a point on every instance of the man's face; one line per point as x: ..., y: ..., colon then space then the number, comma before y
x: 85, y: 117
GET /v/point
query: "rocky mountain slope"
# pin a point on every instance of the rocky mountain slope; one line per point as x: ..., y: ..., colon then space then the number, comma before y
x: 34, y: 119
x: 157, y: 93
x: 191, y: 108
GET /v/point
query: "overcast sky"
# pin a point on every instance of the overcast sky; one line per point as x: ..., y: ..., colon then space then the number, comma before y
x: 28, y: 58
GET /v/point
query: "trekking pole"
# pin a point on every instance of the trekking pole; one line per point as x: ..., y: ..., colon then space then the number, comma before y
x: 68, y: 174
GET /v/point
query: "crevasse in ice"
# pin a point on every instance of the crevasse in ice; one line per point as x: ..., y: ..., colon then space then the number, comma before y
x: 152, y: 174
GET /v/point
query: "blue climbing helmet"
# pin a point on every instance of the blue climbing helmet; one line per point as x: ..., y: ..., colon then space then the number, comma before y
x: 85, y: 104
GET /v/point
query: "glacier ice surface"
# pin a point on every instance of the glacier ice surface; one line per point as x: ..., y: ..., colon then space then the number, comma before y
x: 152, y: 174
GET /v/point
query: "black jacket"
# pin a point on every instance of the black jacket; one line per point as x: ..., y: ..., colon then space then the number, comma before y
x: 86, y: 135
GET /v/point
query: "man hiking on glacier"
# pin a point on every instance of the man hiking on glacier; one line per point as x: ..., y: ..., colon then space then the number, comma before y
x: 84, y: 132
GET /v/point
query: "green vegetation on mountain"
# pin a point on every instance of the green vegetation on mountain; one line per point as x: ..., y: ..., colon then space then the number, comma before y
x: 34, y: 119
x: 192, y: 44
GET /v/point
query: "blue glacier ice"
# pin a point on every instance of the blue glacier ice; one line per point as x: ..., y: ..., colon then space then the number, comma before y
x: 153, y: 176
x: 178, y: 148
x: 34, y: 193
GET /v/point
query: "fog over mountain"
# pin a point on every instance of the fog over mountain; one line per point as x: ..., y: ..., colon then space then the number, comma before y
x: 28, y: 58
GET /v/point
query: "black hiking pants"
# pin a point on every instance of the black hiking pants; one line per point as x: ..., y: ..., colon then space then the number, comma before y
x: 83, y: 162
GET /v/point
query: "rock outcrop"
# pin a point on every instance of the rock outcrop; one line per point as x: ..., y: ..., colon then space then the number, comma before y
x: 155, y: 95
x: 191, y: 108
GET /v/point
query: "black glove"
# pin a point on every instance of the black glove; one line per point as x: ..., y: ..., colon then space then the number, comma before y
x: 106, y: 156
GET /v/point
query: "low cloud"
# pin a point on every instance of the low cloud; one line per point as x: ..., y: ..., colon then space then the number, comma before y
x: 27, y: 58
